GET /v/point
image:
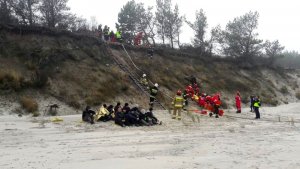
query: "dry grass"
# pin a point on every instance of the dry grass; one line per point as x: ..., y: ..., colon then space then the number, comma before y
x: 284, y: 90
x: 270, y: 101
x: 298, y: 95
x: 29, y: 104
x: 10, y: 79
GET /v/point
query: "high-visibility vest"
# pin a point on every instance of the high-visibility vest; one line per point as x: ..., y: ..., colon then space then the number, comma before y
x: 153, y: 91
x: 256, y: 104
x: 118, y: 35
x: 178, y: 101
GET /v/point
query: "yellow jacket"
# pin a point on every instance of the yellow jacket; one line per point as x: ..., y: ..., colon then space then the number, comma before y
x: 178, y: 102
x: 144, y: 81
x: 101, y: 112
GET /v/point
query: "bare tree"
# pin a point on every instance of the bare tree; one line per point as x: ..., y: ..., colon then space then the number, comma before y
x: 54, y: 12
x: 146, y: 22
x: 215, y: 35
x: 26, y: 10
x: 5, y: 12
x: 199, y: 26
x: 173, y: 25
x: 78, y: 24
x: 163, y: 8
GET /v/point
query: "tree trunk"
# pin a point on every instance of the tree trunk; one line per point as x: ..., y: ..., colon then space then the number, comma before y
x: 178, y: 40
x: 30, y: 19
x: 171, y: 40
x: 52, y: 14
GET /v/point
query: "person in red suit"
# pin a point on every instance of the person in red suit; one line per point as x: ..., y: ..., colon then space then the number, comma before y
x: 238, y: 102
x: 216, y: 103
x: 138, y: 39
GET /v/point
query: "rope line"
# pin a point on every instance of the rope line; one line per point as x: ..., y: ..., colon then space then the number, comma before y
x: 130, y: 58
x: 163, y: 92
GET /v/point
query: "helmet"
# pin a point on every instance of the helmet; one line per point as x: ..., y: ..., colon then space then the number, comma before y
x: 208, y: 98
x: 144, y: 75
x: 179, y: 92
x: 156, y: 85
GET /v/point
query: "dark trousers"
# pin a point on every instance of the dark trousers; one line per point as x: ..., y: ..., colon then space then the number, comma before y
x: 130, y: 119
x: 105, y: 118
x: 251, y: 107
x: 216, y: 109
x: 257, y: 114
x: 152, y: 99
x: 88, y: 118
x: 119, y: 122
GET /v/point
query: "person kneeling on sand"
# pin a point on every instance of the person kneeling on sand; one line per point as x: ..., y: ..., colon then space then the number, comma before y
x: 88, y: 115
x: 103, y: 114
x: 111, y: 110
x: 152, y: 119
x: 119, y: 117
x: 132, y: 117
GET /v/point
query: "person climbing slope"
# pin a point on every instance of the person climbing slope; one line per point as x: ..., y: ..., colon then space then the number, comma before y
x: 153, y: 94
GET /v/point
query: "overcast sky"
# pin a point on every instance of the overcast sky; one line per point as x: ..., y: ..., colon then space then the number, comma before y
x: 279, y: 19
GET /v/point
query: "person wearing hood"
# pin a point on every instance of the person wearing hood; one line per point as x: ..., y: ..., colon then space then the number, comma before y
x: 152, y: 119
x: 88, y: 115
x: 103, y: 114
x: 120, y: 117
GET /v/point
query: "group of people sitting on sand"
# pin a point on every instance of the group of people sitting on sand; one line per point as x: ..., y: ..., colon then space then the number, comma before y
x: 121, y: 115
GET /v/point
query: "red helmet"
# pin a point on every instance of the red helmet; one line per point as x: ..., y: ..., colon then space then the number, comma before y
x: 179, y: 92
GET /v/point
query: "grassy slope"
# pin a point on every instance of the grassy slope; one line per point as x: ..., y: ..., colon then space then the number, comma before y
x: 169, y: 69
x: 80, y: 71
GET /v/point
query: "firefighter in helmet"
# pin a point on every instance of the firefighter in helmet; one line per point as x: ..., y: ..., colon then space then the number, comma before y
x: 178, y: 104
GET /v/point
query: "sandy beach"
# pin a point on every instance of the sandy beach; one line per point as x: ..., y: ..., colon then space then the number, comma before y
x: 227, y: 142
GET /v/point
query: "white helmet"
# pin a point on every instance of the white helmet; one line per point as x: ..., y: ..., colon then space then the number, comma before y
x: 144, y: 75
x: 156, y: 85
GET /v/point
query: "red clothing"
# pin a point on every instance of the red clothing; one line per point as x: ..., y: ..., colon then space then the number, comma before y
x: 138, y: 38
x: 197, y: 90
x: 238, y: 102
x: 190, y: 90
x: 201, y: 101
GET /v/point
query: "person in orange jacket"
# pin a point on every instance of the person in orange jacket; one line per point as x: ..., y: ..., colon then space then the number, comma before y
x: 238, y: 102
x: 201, y: 101
x: 190, y: 90
x: 216, y: 102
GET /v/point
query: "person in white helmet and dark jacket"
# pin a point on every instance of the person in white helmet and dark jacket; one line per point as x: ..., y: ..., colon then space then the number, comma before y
x: 153, y: 94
